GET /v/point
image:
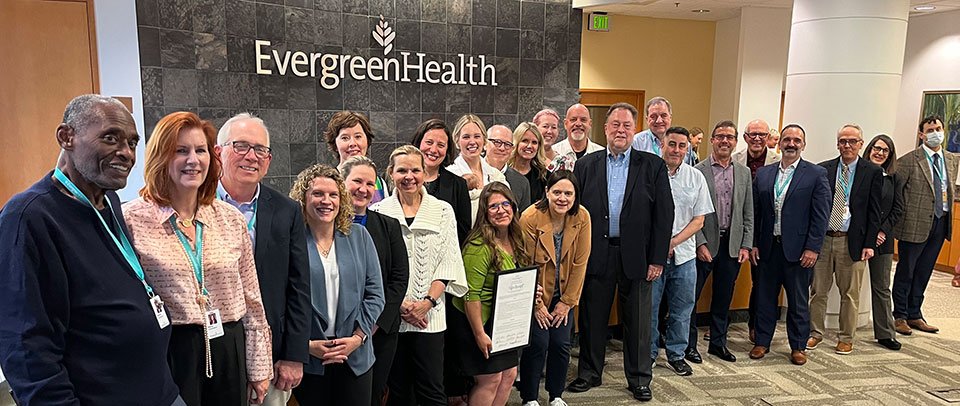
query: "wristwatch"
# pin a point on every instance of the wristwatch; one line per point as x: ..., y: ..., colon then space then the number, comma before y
x: 363, y: 338
x: 432, y: 301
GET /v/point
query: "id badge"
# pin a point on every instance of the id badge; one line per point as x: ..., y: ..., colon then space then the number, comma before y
x: 944, y: 193
x: 214, y: 324
x: 157, y: 305
x: 846, y: 213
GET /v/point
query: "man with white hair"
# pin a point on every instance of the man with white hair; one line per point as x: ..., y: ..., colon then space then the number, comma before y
x: 498, y: 148
x: 277, y: 230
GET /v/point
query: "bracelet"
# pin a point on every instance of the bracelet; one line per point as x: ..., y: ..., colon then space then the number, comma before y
x: 433, y: 302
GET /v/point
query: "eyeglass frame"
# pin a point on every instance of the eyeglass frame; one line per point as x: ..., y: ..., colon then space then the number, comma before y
x: 495, y: 207
x: 500, y: 143
x: 756, y: 135
x: 256, y: 149
x: 882, y: 150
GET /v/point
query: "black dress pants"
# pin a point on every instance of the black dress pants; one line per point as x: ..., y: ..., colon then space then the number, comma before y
x: 384, y: 348
x: 417, y: 374
x: 187, y: 360
x: 634, y: 299
x: 776, y: 272
x: 914, y: 269
x: 337, y: 386
x: 725, y: 270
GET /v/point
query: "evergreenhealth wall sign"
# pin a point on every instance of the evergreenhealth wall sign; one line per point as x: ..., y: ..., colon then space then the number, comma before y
x: 417, y: 67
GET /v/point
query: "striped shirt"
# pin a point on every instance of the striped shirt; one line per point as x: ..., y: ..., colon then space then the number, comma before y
x: 228, y: 271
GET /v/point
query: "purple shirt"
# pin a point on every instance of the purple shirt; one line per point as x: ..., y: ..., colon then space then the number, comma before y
x: 723, y: 185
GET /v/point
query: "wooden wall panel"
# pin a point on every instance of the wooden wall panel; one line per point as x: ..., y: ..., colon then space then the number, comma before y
x: 49, y: 57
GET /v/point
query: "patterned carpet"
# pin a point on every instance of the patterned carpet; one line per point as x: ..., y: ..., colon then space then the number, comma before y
x: 871, y: 375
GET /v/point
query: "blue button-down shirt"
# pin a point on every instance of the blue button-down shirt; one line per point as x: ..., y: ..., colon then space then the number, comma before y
x: 248, y: 209
x: 617, y: 170
x: 648, y: 142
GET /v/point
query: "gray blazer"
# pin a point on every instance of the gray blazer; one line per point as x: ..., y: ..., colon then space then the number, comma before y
x: 915, y: 184
x: 741, y: 220
x: 520, y: 187
x: 361, y: 295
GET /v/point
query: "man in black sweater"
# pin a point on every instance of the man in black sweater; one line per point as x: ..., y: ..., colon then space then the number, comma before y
x: 79, y: 324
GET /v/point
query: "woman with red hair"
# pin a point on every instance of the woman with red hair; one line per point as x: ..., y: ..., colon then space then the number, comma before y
x: 198, y: 254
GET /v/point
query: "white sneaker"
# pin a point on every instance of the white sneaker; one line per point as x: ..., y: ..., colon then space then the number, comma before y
x: 558, y: 402
x: 532, y: 403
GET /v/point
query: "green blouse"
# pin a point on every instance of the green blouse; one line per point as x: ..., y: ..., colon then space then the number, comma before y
x: 479, y: 268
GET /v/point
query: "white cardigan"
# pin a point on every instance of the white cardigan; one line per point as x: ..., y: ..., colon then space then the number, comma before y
x: 433, y: 252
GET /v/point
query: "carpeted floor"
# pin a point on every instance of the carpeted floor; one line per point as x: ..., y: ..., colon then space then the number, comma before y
x: 871, y: 375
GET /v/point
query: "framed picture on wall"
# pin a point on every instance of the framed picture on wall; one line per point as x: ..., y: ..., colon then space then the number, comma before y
x: 946, y: 104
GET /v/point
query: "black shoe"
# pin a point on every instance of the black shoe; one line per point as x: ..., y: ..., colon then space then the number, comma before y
x: 680, y: 367
x: 722, y: 353
x: 693, y: 355
x: 580, y: 385
x: 890, y: 343
x: 643, y: 394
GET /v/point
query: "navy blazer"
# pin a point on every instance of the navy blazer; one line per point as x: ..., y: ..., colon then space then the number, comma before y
x: 361, y: 295
x: 646, y: 219
x: 806, y: 210
x: 282, y: 269
x: 864, y: 204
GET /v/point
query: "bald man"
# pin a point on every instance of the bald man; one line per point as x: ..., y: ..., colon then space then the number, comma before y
x: 577, y: 144
x: 757, y: 154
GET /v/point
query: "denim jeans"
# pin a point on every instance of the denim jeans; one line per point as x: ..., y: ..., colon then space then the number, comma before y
x: 677, y: 284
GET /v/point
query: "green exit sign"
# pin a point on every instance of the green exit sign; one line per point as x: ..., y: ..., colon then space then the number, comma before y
x: 599, y: 22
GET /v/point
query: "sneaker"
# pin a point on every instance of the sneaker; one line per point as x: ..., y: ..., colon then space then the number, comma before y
x: 844, y: 348
x: 532, y: 403
x: 557, y: 402
x: 680, y: 367
x: 813, y: 342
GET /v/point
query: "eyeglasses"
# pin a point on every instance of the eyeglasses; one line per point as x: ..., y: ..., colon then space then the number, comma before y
x: 242, y: 147
x: 850, y: 142
x: 881, y: 150
x: 722, y: 137
x: 757, y: 135
x: 495, y: 207
x: 501, y: 144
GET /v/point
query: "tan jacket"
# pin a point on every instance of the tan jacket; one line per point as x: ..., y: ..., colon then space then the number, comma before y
x: 574, y: 253
x: 915, y: 182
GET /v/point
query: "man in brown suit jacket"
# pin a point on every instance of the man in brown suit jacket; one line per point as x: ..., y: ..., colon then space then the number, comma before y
x: 925, y: 177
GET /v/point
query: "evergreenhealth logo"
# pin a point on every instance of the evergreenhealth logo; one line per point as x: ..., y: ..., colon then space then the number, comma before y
x: 416, y: 67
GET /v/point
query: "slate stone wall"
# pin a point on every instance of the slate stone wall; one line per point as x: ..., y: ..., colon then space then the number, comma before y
x: 199, y: 55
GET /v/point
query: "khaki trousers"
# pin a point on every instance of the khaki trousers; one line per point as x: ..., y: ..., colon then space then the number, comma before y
x: 835, y: 264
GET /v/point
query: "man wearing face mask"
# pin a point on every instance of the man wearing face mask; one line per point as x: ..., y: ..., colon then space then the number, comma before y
x: 577, y: 144
x: 926, y: 177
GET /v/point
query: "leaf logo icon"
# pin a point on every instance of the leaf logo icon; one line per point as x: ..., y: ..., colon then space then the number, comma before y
x: 384, y: 35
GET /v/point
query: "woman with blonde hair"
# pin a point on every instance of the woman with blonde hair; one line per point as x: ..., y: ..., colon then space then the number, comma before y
x: 471, y: 136
x: 528, y: 158
x: 196, y: 250
x: 346, y: 290
x: 435, y: 266
x: 548, y: 123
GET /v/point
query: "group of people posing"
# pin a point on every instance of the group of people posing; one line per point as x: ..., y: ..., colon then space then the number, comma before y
x: 361, y: 286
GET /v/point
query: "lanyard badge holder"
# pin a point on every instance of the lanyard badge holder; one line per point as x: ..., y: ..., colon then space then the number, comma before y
x: 123, y: 244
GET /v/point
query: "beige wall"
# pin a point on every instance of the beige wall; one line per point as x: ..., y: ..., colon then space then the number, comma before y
x: 670, y: 58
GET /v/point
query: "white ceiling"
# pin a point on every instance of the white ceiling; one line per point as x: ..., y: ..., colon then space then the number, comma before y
x: 719, y: 9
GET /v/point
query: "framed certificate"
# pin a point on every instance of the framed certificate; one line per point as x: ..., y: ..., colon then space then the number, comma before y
x: 514, y: 295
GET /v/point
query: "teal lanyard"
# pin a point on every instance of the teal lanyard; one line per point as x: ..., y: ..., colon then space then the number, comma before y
x: 195, y: 255
x: 780, y: 187
x: 123, y: 244
x: 252, y: 223
x: 849, y: 186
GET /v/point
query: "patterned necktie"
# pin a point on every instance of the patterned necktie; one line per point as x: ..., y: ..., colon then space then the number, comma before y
x: 839, y: 199
x: 937, y: 187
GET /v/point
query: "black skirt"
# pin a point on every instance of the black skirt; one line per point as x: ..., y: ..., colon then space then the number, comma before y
x: 471, y: 359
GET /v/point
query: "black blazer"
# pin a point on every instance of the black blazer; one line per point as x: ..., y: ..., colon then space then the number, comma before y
x: 283, y: 270
x: 394, y: 267
x: 453, y: 190
x: 806, y: 210
x: 864, y: 204
x: 891, y: 210
x: 646, y: 219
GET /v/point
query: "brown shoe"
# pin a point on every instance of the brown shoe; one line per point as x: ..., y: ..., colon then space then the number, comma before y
x: 901, y: 326
x: 758, y: 352
x: 843, y: 348
x: 921, y: 324
x: 813, y: 342
x: 798, y: 357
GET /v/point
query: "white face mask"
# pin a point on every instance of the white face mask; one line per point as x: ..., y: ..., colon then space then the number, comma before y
x: 934, y: 139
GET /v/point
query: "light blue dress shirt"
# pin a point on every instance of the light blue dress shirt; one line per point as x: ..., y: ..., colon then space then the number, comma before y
x: 617, y: 170
x: 248, y: 209
x: 648, y: 142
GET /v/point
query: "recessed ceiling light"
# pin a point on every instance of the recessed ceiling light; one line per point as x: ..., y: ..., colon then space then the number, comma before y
x: 925, y: 8
x: 700, y: 10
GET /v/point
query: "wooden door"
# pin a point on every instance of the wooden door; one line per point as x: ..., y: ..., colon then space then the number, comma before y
x: 49, y: 57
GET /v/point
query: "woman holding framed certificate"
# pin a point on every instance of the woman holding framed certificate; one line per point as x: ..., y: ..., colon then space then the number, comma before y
x: 556, y: 231
x: 494, y: 245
